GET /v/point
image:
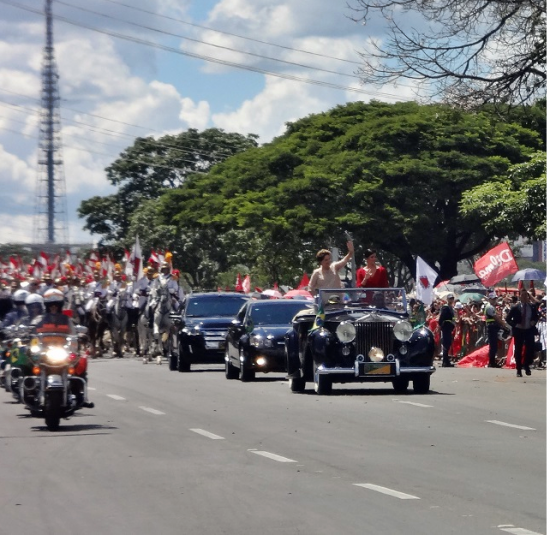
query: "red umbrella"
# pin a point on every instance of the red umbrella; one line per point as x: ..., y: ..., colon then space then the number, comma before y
x: 442, y: 283
x: 293, y: 294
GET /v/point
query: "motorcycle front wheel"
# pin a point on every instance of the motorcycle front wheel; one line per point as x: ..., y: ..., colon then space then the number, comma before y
x: 52, y: 410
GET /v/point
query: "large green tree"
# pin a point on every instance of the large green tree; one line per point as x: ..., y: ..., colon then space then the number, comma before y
x: 513, y: 205
x: 392, y: 174
x: 151, y: 166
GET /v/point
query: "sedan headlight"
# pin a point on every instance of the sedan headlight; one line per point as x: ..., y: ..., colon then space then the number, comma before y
x: 257, y: 341
x: 346, y: 332
x: 56, y: 355
x: 403, y: 331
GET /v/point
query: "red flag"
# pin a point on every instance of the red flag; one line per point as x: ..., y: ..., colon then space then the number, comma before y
x: 498, y: 263
x: 246, y: 284
x: 238, y: 283
x: 275, y: 285
x: 304, y: 283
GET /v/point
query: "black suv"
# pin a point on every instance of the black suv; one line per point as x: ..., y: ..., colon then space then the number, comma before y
x: 205, y: 320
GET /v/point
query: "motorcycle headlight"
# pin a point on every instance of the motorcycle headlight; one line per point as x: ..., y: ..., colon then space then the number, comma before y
x: 346, y: 332
x: 402, y: 331
x: 56, y: 355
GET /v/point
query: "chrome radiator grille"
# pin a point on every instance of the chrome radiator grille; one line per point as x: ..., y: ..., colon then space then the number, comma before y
x: 374, y: 334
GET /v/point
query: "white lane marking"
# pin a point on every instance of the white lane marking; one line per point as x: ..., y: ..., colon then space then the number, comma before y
x: 115, y: 397
x: 415, y: 404
x: 497, y: 422
x: 273, y: 456
x: 518, y: 531
x: 207, y: 434
x: 389, y: 492
x: 152, y: 411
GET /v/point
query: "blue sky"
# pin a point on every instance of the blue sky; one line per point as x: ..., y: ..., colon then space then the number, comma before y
x: 114, y: 89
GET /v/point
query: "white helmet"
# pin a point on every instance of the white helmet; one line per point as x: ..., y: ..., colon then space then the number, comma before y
x: 34, y: 298
x: 53, y: 296
x: 19, y: 296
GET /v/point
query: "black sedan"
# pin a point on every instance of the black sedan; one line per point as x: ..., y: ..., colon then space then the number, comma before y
x: 203, y: 327
x: 255, y: 339
x: 357, y: 335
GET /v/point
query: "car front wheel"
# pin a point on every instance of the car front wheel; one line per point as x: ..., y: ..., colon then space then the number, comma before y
x: 297, y: 384
x: 421, y: 384
x: 230, y: 371
x: 322, y: 383
x: 400, y: 385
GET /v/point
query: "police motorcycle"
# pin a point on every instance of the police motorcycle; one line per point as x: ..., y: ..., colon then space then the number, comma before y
x: 15, y: 362
x: 14, y: 335
x: 56, y: 387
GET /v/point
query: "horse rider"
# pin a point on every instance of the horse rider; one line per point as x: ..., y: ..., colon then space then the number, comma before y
x: 165, y: 278
x: 114, y: 288
x: 47, y: 284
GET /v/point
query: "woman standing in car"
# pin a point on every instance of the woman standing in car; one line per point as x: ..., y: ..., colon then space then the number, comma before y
x: 373, y: 275
x: 326, y: 275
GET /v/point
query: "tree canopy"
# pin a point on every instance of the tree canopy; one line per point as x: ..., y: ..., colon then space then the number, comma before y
x: 512, y: 205
x: 392, y: 174
x: 469, y: 51
x: 152, y: 166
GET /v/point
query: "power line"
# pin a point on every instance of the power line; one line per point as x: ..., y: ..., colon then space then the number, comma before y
x: 234, y: 34
x: 206, y: 58
x: 115, y: 133
x: 133, y: 160
x: 164, y: 32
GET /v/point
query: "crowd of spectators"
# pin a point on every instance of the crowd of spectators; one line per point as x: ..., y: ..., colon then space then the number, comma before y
x: 470, y: 332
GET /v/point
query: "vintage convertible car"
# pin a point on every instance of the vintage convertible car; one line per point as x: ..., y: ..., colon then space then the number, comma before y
x: 357, y: 335
x: 255, y: 340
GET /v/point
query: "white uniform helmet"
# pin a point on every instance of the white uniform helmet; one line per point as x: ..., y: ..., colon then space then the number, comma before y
x: 53, y: 296
x: 19, y: 297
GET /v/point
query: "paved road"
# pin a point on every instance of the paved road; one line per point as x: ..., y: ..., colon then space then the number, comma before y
x: 171, y: 453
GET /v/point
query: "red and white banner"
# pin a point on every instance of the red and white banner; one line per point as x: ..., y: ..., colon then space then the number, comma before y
x: 425, y: 278
x: 498, y: 263
x: 246, y: 284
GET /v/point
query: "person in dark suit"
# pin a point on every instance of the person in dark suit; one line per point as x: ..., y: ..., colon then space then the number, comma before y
x: 447, y: 322
x: 523, y: 318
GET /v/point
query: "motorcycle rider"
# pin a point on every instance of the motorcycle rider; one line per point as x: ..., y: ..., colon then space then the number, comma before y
x: 35, y: 306
x: 55, y: 322
x: 19, y: 312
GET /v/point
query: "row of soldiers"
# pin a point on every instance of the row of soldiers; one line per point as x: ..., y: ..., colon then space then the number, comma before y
x: 79, y: 293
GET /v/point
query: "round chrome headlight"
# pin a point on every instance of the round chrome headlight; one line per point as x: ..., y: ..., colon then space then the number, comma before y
x: 376, y: 354
x: 402, y: 330
x: 257, y: 341
x: 346, y: 332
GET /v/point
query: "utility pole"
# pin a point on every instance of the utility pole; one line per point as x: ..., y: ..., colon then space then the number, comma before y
x: 50, y: 218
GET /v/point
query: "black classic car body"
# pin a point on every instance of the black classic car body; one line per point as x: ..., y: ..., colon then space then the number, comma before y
x: 357, y: 335
x: 256, y: 338
x: 204, y: 323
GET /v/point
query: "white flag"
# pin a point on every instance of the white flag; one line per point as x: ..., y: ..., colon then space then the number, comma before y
x: 135, y: 266
x: 425, y: 278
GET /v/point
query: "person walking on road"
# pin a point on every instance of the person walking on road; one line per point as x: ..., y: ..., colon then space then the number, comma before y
x: 493, y: 323
x: 523, y: 319
x: 447, y: 322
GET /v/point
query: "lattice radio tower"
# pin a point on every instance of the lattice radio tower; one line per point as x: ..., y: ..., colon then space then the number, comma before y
x: 50, y: 217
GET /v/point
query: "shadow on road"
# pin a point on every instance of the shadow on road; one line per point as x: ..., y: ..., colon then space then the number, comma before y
x: 64, y: 429
x: 376, y: 392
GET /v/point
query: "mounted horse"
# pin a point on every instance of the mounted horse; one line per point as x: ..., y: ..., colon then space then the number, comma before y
x: 96, y: 313
x: 119, y: 321
x: 162, y: 323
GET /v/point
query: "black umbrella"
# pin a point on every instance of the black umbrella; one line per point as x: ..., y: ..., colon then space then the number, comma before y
x: 464, y: 279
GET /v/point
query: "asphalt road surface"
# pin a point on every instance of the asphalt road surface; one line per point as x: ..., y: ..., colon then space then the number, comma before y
x: 170, y: 453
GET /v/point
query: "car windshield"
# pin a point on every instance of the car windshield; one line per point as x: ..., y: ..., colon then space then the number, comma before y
x: 275, y: 313
x: 379, y: 298
x: 203, y: 307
